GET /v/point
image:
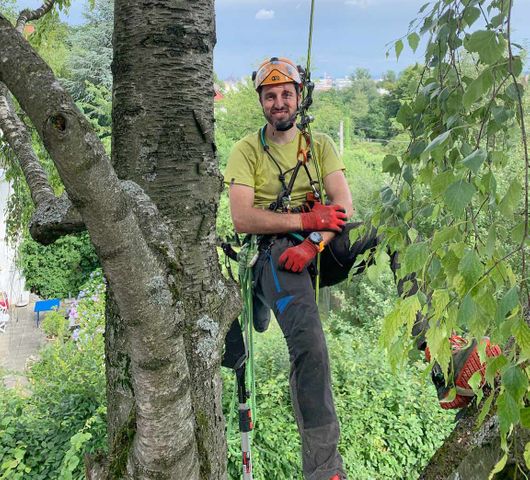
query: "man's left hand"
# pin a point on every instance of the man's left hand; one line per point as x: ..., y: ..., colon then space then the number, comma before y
x: 296, y: 258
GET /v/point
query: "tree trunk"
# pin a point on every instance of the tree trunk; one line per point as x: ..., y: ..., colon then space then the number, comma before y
x: 169, y: 306
x: 166, y: 72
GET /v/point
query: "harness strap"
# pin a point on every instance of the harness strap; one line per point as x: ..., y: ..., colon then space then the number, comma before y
x: 304, y: 155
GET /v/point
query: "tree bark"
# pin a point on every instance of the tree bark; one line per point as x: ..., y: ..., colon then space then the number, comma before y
x: 470, y: 453
x: 170, y: 309
x: 174, y: 162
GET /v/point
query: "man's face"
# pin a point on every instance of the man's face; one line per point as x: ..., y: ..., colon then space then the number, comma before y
x: 279, y: 103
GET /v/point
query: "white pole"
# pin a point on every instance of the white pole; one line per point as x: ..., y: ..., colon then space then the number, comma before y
x: 341, y: 137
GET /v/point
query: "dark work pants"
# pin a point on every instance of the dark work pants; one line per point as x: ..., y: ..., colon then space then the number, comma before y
x: 291, y: 297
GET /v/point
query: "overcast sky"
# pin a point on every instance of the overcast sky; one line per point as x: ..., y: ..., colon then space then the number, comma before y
x: 347, y: 33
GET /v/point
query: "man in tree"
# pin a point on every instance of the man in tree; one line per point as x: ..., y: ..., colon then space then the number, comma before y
x: 273, y: 199
x: 259, y: 166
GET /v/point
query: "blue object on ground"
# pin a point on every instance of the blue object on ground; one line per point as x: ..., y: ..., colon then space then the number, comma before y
x: 45, y: 305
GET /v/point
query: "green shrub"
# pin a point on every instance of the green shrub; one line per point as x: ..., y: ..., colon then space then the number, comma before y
x: 55, y: 324
x: 59, y: 269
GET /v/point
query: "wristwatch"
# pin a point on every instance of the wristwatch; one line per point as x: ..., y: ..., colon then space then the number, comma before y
x: 316, y: 238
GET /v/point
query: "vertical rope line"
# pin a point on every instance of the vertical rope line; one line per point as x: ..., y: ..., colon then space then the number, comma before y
x: 310, y: 37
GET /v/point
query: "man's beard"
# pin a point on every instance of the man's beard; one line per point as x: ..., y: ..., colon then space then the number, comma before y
x: 281, y: 125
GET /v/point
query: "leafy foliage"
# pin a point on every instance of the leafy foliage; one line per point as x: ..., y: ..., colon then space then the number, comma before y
x: 54, y: 324
x: 59, y: 269
x: 456, y: 210
x: 91, y: 55
x: 47, y: 428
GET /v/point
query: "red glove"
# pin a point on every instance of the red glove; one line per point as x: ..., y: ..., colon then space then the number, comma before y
x: 324, y: 217
x: 296, y: 258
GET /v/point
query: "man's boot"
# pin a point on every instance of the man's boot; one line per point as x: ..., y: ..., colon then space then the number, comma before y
x: 465, y: 363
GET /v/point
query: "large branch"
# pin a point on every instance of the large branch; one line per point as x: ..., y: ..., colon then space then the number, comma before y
x: 164, y: 444
x: 53, y: 217
x: 19, y: 140
x: 470, y: 453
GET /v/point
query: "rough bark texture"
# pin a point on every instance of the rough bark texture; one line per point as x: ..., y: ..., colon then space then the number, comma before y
x: 54, y: 219
x: 174, y: 162
x: 163, y: 299
x: 470, y: 453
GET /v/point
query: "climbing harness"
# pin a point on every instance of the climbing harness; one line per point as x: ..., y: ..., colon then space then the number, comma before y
x: 283, y: 200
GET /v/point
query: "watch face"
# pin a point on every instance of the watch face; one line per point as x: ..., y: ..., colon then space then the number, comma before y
x: 315, y: 237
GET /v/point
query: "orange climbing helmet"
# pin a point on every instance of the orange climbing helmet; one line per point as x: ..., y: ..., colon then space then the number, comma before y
x: 275, y: 71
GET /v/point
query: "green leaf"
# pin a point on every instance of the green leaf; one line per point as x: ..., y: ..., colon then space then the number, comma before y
x: 470, y: 15
x: 415, y: 257
x: 398, y: 47
x: 414, y: 40
x: 517, y: 233
x: 524, y: 413
x: 501, y: 114
x: 491, y: 241
x: 499, y: 466
x: 438, y: 141
x: 441, y: 181
x: 391, y: 164
x: 403, y: 313
x: 439, y: 347
x: 458, y: 195
x: 522, y: 337
x: 514, y: 91
x: 471, y: 268
x: 408, y: 174
x: 477, y: 88
x: 511, y: 198
x: 467, y: 312
x: 515, y: 381
x: 440, y: 300
x: 475, y: 160
x: 507, y: 410
x: 489, y: 45
x: 405, y: 115
x: 526, y: 453
x: 517, y: 65
x: 484, y: 411
x: 423, y: 7
x: 493, y: 366
x: 509, y: 301
x: 443, y: 236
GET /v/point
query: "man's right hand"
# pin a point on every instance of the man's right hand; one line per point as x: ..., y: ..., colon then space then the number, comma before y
x: 331, y: 218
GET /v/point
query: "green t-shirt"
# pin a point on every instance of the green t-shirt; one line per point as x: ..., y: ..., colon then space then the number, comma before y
x: 250, y: 165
